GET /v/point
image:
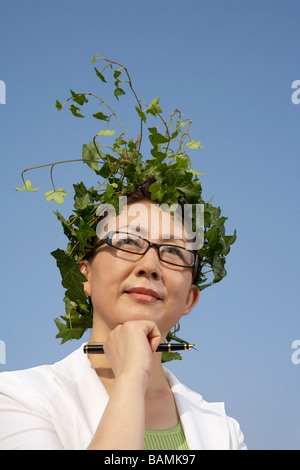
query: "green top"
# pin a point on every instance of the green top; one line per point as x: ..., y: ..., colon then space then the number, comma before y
x: 166, y: 439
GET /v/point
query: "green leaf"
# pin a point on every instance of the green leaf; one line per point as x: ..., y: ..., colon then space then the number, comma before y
x: 106, y: 132
x: 75, y: 110
x: 58, y: 105
x: 170, y: 356
x: 181, y: 180
x: 157, y: 191
x: 230, y: 239
x: 183, y: 161
x: 56, y: 195
x: 72, y: 278
x: 174, y: 134
x: 105, y: 170
x: 189, y: 190
x: 85, y: 233
x: 67, y: 226
x: 100, y: 116
x: 27, y: 186
x: 79, y: 98
x: 193, y: 145
x: 154, y: 107
x: 81, y: 198
x: 99, y: 75
x: 69, y: 306
x: 141, y: 114
x: 118, y: 92
x: 77, y: 320
x: 211, y: 214
x: 68, y: 333
x: 90, y: 156
x: 180, y: 124
x: 218, y: 268
x: 131, y: 172
x: 156, y: 138
x: 117, y: 73
x: 110, y: 191
x: 213, y: 235
x: 176, y: 177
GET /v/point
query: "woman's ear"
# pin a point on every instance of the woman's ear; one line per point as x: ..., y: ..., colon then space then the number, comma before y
x: 84, y: 268
x: 192, y: 299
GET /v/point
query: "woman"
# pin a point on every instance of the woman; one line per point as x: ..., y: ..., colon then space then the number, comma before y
x: 125, y: 398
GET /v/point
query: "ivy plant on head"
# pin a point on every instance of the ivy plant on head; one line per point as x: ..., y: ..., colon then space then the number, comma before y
x: 166, y: 174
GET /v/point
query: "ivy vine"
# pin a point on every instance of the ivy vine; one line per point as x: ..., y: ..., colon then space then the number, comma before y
x: 119, y: 168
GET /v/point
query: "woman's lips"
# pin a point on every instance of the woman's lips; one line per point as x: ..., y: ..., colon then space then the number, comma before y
x: 142, y: 294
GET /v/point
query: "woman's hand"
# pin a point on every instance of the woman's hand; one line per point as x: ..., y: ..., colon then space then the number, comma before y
x: 129, y: 350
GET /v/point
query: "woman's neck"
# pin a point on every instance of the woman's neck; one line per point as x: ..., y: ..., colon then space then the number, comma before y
x: 107, y: 377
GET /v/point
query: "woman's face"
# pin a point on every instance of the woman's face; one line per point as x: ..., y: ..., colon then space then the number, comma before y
x: 124, y: 289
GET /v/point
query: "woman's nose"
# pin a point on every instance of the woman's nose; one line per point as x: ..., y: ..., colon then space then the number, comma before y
x: 149, y: 264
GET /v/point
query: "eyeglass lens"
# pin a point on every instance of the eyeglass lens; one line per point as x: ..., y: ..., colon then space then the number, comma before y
x: 134, y: 244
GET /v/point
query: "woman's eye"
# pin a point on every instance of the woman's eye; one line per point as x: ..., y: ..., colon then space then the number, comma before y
x: 173, y: 251
x: 127, y: 242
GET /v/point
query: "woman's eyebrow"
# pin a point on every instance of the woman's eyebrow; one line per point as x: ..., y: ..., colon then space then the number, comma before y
x: 144, y: 232
x: 173, y: 239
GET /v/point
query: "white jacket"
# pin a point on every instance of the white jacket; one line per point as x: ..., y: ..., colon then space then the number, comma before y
x: 59, y: 406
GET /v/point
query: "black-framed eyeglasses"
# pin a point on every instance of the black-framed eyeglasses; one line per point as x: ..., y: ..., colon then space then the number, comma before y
x: 136, y: 245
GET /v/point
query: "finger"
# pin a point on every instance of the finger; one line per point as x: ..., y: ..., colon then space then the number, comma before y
x: 154, y: 336
x: 154, y: 342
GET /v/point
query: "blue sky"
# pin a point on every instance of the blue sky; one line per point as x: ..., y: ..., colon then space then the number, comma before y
x: 230, y: 65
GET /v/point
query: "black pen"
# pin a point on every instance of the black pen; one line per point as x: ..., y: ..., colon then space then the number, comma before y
x: 163, y: 347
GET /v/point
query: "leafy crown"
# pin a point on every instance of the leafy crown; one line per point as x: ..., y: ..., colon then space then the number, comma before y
x: 121, y: 169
